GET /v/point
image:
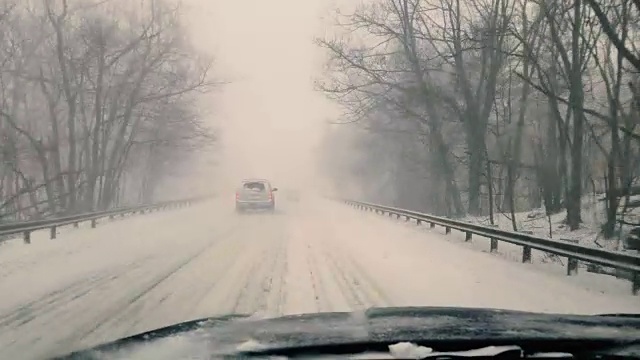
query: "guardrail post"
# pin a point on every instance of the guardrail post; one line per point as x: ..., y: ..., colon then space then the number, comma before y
x: 572, y: 264
x: 27, y: 237
x: 432, y: 225
x: 493, y: 246
x: 447, y: 230
x: 468, y: 236
x: 75, y: 224
x: 397, y: 216
x: 93, y: 223
x: 406, y: 218
x: 635, y: 283
x: 53, y: 232
x: 526, y: 250
x: 418, y: 222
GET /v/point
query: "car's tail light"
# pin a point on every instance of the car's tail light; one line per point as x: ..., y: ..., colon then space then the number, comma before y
x: 237, y: 196
x: 270, y: 195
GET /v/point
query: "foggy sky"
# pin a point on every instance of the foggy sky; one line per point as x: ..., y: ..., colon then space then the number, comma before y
x: 270, y: 118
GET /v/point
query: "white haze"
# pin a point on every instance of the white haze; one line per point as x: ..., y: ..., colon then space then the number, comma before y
x: 270, y: 119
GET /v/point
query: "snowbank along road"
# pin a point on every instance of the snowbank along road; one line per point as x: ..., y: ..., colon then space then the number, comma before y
x: 133, y: 275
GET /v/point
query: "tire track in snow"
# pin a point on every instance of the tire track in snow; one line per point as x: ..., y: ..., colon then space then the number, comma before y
x: 362, y: 280
x: 350, y: 292
x: 207, y: 273
x: 279, y: 298
x: 60, y: 309
x: 49, y: 301
x: 338, y: 284
x: 322, y: 297
x: 171, y: 292
x: 219, y: 278
x: 87, y: 312
x: 359, y: 291
x: 113, y: 313
x: 125, y: 307
x: 257, y: 289
x: 274, y: 283
x: 381, y: 298
x: 244, y: 299
x: 251, y: 284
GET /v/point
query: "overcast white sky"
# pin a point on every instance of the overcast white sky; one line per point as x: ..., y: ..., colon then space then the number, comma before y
x: 270, y: 117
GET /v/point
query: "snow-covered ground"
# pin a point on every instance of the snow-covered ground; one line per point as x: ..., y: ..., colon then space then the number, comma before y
x: 132, y: 275
x: 589, y: 234
x: 535, y: 221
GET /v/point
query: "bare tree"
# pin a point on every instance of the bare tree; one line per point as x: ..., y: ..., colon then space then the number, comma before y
x: 522, y: 80
x: 92, y: 92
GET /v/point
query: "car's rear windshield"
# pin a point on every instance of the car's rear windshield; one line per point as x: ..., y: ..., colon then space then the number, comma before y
x: 255, y: 186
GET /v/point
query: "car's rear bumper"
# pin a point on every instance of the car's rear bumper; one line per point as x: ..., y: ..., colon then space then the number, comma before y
x: 255, y: 204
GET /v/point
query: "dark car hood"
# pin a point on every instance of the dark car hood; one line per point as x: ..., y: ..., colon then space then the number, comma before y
x: 228, y: 335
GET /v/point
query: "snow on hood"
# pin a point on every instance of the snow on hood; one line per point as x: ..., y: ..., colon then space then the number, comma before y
x: 402, y: 326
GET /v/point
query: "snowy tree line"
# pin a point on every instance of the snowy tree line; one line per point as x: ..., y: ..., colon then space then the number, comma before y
x: 96, y: 103
x: 460, y: 107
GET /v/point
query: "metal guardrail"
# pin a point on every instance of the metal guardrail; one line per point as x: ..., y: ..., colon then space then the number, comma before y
x: 27, y: 227
x: 574, y: 252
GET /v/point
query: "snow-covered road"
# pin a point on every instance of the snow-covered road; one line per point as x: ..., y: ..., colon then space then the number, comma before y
x: 135, y: 274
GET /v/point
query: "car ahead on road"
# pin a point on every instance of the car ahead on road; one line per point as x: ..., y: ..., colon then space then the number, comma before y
x: 255, y: 194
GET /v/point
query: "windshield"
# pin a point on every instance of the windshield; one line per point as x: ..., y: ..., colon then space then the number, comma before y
x: 168, y: 160
x: 254, y: 186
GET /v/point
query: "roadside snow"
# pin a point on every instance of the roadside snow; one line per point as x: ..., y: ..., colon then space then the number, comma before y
x: 536, y: 222
x: 589, y: 234
x: 425, y: 267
